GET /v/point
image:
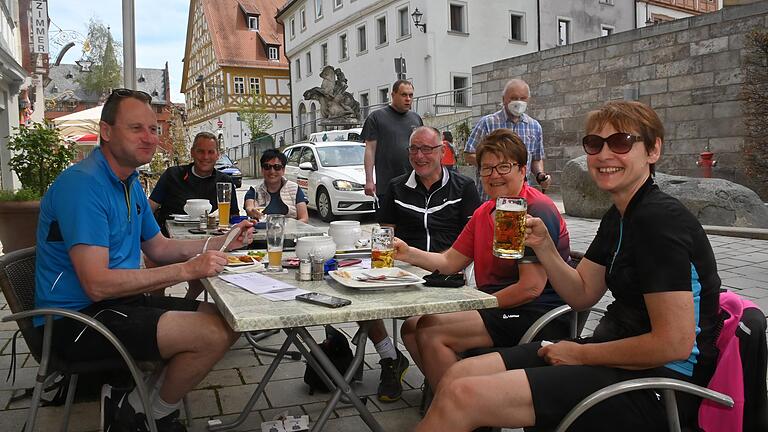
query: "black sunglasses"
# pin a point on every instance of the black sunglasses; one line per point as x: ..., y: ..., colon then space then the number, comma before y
x: 267, y: 167
x: 619, y: 143
x: 138, y: 94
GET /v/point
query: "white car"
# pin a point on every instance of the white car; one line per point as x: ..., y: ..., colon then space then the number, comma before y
x: 337, y: 135
x: 332, y: 176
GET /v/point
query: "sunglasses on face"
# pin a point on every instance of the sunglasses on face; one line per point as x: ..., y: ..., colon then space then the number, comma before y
x: 267, y: 167
x: 502, y: 168
x: 138, y: 94
x: 619, y: 143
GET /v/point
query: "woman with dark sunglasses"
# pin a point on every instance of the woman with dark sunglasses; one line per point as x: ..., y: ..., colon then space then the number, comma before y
x: 656, y: 260
x: 276, y: 195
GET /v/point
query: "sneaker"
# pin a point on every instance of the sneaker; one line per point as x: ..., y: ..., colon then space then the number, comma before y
x: 169, y: 423
x: 392, y: 373
x: 117, y: 415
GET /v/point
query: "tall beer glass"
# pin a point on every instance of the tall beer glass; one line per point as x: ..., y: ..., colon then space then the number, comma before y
x: 224, y: 202
x: 509, y: 228
x: 382, y: 247
x: 275, y: 237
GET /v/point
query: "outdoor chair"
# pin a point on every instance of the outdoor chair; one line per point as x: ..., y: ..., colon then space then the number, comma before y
x: 17, y: 278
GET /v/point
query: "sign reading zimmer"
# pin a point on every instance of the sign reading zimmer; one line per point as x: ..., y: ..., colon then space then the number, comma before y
x: 38, y: 27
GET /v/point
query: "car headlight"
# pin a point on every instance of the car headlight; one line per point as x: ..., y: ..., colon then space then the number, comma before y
x: 346, y: 185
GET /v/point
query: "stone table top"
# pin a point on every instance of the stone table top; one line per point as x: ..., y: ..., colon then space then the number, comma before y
x: 245, y: 311
x: 293, y: 230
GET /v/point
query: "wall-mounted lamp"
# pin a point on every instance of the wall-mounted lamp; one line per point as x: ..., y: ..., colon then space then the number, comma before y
x: 416, y: 15
x: 85, y: 65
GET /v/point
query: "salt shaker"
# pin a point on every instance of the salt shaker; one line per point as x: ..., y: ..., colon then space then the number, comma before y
x: 204, y: 220
x: 305, y: 270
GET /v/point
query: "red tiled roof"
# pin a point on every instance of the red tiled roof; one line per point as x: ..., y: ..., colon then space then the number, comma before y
x: 236, y: 45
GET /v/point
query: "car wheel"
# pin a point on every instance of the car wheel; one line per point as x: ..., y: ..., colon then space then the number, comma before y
x: 324, y: 205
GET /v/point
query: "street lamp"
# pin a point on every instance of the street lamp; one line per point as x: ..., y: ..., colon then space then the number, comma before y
x: 416, y: 15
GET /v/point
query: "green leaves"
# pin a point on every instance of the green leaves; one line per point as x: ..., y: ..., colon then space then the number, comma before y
x: 39, y: 155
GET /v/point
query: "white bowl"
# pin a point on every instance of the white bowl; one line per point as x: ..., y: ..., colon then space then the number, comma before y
x: 197, y: 207
x: 345, y: 233
x: 320, y: 246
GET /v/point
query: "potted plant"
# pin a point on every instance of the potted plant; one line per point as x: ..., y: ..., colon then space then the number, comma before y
x: 38, y: 157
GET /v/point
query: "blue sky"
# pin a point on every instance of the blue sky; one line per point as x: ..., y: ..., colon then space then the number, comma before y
x: 161, y: 28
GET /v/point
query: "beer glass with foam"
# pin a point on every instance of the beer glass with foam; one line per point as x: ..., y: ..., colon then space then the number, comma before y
x: 509, y: 227
x: 275, y: 237
x: 224, y: 201
x: 382, y: 247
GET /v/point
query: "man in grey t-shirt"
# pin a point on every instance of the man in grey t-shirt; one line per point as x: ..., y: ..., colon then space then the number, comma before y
x: 386, y: 133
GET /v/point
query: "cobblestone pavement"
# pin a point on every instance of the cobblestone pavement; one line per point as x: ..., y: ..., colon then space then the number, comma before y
x: 743, y: 266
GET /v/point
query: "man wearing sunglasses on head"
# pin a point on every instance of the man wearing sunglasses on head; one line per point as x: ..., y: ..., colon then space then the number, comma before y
x: 276, y: 195
x: 95, y: 222
x: 512, y: 116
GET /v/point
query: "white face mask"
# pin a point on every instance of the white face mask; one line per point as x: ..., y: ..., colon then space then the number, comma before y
x: 516, y: 108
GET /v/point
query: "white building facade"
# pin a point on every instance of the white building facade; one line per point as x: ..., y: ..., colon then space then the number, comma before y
x: 364, y: 37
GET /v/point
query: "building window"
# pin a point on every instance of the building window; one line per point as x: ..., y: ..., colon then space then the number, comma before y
x: 343, y: 48
x: 318, y: 9
x: 303, y: 19
x: 253, y: 23
x: 324, y: 54
x: 384, y: 95
x: 517, y: 26
x: 274, y: 53
x: 239, y: 85
x: 254, y: 85
x: 563, y: 31
x: 403, y: 22
x: 293, y: 28
x: 381, y: 30
x: 364, y: 104
x: 338, y: 3
x: 606, y: 2
x: 309, y: 63
x: 458, y: 17
x: 298, y: 69
x: 460, y: 84
x: 606, y: 30
x: 362, y: 40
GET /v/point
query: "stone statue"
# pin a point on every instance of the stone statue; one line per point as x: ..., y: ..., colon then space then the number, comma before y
x: 335, y: 101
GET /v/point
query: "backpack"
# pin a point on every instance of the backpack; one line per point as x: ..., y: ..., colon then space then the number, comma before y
x: 337, y: 348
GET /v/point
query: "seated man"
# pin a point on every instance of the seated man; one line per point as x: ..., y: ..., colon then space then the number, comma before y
x: 195, y: 180
x: 521, y: 286
x: 94, y: 223
x: 276, y: 194
x: 428, y: 208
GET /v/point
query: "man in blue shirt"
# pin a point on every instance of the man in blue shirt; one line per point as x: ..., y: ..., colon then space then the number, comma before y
x: 512, y: 116
x: 95, y: 221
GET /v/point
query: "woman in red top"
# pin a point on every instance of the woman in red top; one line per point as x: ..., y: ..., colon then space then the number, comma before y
x: 449, y: 155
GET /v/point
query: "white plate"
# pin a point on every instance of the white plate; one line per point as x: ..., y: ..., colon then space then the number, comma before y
x: 240, y: 263
x: 347, y: 278
x: 184, y: 218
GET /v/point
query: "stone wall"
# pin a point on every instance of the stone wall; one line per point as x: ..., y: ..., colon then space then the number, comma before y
x: 688, y: 70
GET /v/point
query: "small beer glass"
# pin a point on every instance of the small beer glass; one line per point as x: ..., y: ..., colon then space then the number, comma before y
x: 382, y: 247
x: 224, y: 201
x: 509, y: 227
x: 275, y: 237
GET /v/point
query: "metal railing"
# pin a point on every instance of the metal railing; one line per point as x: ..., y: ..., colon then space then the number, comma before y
x: 435, y: 104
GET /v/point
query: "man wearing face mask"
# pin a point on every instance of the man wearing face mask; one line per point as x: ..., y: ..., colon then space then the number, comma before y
x: 512, y: 116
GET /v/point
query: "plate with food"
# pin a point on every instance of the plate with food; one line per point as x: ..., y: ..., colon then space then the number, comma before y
x: 376, y: 278
x: 244, y: 258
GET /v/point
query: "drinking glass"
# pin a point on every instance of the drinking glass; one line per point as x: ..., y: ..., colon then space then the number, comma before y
x: 275, y: 237
x: 224, y: 201
x: 382, y: 247
x: 509, y: 227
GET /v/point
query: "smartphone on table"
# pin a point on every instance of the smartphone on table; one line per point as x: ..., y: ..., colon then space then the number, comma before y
x: 323, y: 300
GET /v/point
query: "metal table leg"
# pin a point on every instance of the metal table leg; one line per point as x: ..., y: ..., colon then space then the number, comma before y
x: 217, y: 425
x: 342, y: 382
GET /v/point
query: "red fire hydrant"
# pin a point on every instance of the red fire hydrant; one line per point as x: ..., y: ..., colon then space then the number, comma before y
x: 706, y: 162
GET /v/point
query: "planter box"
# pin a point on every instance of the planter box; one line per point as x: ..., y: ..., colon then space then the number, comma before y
x: 18, y: 224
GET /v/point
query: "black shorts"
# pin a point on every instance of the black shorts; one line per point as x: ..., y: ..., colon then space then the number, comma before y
x: 133, y: 320
x: 557, y: 389
x: 507, y: 326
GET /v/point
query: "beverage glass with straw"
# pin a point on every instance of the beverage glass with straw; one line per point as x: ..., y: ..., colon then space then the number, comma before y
x: 224, y: 202
x: 275, y: 237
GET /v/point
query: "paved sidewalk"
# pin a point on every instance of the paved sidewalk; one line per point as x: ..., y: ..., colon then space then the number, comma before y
x: 743, y: 266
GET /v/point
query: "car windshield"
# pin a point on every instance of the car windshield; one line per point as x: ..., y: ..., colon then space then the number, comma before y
x: 224, y: 161
x: 336, y: 156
